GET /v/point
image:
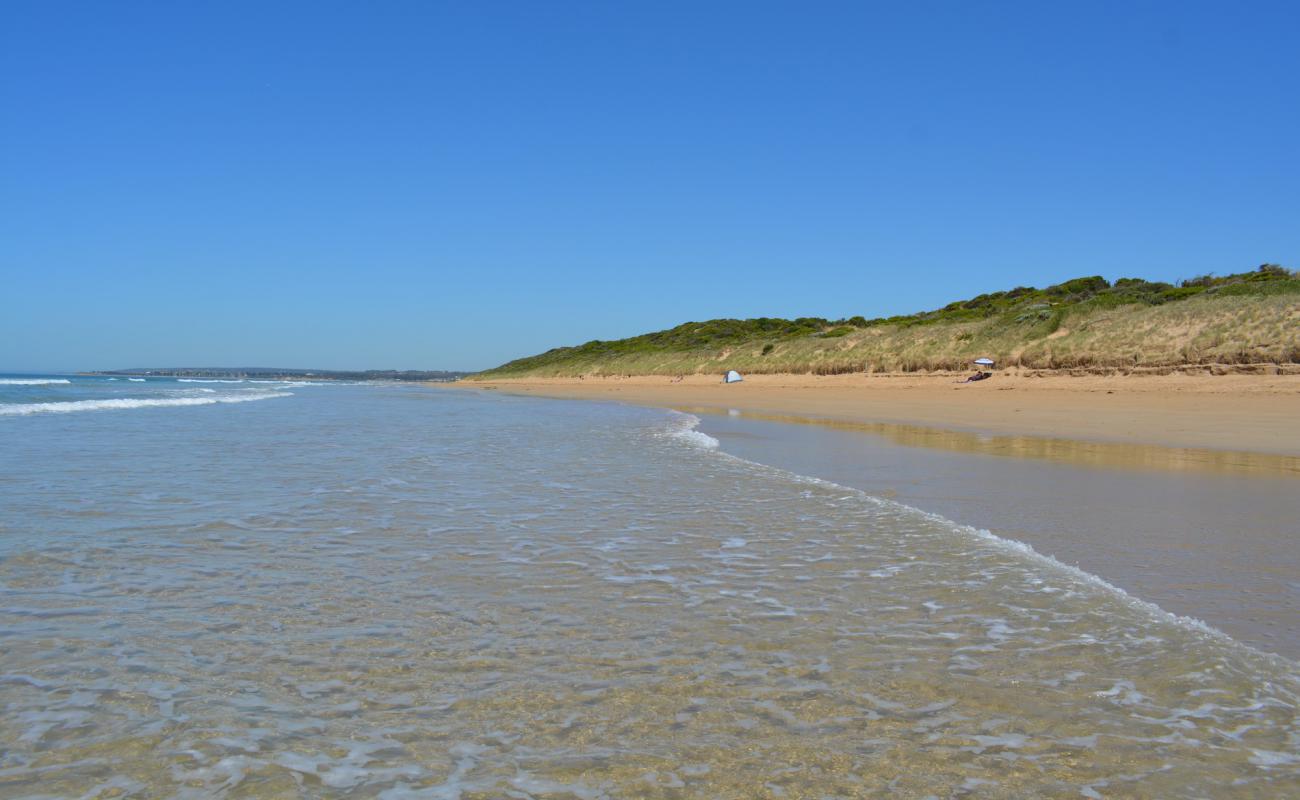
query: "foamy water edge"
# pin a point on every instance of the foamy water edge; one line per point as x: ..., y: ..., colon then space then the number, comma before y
x: 683, y: 429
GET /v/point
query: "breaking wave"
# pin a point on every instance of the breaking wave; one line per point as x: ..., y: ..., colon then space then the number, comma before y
x: 71, y: 406
x: 684, y: 429
x: 31, y: 381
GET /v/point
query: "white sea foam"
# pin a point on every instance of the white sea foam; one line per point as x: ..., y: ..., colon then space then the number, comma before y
x: 31, y: 381
x: 136, y: 380
x: 684, y: 428
x: 1098, y: 582
x: 24, y: 409
x: 206, y: 380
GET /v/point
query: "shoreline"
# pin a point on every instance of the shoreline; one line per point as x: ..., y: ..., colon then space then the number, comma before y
x: 1208, y: 546
x: 1201, y: 533
x: 1245, y: 414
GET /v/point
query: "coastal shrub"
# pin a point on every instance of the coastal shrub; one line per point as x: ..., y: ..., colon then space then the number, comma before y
x: 983, y: 300
x: 1179, y: 292
x: 1079, y: 286
x: 1035, y: 315
x: 1004, y: 322
x: 1273, y: 272
x: 1265, y: 273
x: 1258, y: 288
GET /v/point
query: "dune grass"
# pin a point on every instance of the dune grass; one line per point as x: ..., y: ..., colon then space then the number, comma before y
x: 1251, y: 317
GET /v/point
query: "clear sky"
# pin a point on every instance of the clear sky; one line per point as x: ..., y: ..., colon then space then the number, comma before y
x: 449, y: 185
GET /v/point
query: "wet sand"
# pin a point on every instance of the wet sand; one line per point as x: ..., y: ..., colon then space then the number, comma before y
x: 1211, y: 544
x: 1242, y: 413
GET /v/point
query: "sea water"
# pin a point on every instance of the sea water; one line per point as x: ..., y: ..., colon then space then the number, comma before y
x: 397, y: 592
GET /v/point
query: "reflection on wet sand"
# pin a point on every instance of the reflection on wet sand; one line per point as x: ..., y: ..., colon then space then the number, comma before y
x: 1066, y: 451
x: 1209, y: 544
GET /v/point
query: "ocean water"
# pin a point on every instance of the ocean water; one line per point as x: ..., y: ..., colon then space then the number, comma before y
x: 398, y: 592
x: 32, y: 395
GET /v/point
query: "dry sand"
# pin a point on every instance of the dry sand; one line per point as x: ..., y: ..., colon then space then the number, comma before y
x: 1241, y: 413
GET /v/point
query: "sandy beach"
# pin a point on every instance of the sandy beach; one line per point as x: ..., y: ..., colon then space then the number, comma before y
x: 1179, y: 489
x: 1240, y: 413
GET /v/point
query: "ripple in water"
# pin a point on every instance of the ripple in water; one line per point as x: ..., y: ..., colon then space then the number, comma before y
x: 373, y: 592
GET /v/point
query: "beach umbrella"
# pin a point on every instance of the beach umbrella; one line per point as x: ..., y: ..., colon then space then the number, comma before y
x: 984, y: 362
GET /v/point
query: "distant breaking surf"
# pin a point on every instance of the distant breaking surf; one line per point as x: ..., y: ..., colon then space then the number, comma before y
x: 68, y: 407
x: 31, y: 381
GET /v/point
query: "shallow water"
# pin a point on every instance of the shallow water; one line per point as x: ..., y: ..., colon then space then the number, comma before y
x: 390, y: 592
x: 1221, y: 546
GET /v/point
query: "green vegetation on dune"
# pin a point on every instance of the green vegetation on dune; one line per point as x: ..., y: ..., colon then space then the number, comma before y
x: 1249, y: 317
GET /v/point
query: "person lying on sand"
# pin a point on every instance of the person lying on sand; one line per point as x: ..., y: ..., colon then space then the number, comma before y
x: 979, y: 376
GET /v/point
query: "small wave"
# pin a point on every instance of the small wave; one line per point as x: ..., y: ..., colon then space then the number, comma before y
x: 207, y: 380
x: 683, y: 428
x: 136, y: 380
x: 1025, y: 550
x: 32, y: 381
x: 24, y: 409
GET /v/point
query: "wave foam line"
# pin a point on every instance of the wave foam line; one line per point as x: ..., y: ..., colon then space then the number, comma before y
x: 24, y: 409
x: 206, y: 380
x: 31, y: 381
x: 685, y: 430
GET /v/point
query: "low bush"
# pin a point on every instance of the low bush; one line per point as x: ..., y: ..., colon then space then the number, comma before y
x: 835, y: 333
x: 1012, y: 319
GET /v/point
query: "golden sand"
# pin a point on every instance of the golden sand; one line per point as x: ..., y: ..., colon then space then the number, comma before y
x: 1241, y: 413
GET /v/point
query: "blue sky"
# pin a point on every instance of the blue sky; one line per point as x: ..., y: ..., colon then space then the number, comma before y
x: 450, y: 185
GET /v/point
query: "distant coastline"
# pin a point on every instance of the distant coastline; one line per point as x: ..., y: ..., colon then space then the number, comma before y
x: 282, y: 373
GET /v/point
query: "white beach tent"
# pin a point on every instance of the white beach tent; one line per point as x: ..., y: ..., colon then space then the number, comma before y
x: 732, y: 377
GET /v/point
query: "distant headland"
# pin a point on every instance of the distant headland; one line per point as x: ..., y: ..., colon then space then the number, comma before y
x: 280, y: 373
